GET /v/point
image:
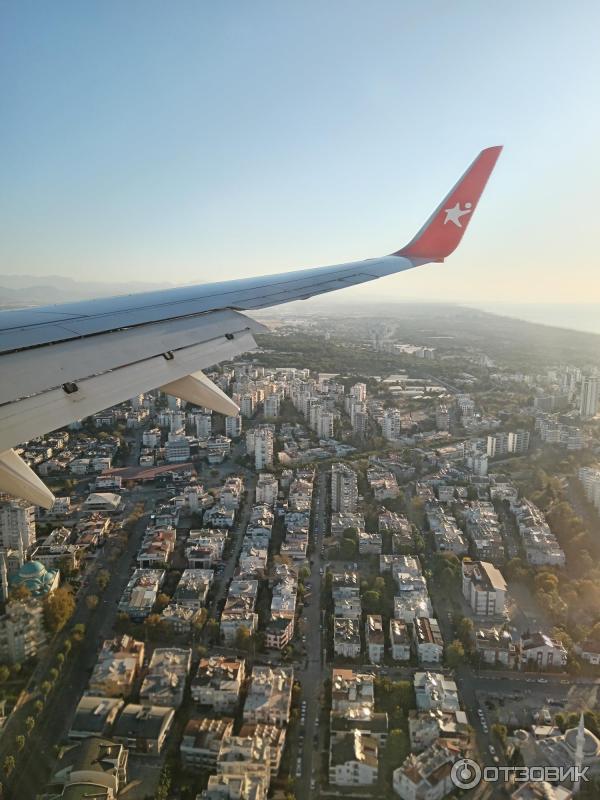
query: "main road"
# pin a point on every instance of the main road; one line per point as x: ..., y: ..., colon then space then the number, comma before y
x: 311, y: 676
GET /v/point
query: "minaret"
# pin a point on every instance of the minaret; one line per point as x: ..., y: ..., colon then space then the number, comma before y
x: 579, y: 747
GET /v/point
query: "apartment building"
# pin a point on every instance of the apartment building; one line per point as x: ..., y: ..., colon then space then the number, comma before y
x: 427, y: 774
x: 344, y: 488
x: 164, y: 682
x: 141, y: 592
x: 375, y: 638
x: 117, y: 668
x: 428, y: 640
x: 400, y: 640
x: 22, y: 631
x: 353, y: 761
x: 202, y: 740
x: 218, y: 683
x: 540, y: 651
x: 484, y: 588
x: 269, y: 696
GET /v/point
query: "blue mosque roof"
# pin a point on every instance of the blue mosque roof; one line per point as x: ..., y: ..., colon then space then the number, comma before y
x: 35, y: 577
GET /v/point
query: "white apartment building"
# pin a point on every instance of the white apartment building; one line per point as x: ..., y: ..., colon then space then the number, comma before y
x: 428, y: 640
x: 540, y: 651
x: 400, y: 639
x: 346, y: 637
x: 353, y: 761
x: 17, y: 525
x: 344, y: 488
x: 271, y: 406
x: 22, y: 631
x: 391, y: 425
x: 426, y: 776
x: 203, y: 426
x: 269, y: 696
x: 218, y: 683
x: 484, y: 588
x: 324, y: 427
x: 267, y: 489
x: 433, y: 690
x: 590, y: 393
x: 518, y: 442
x: 151, y: 438
x: 375, y: 638
x: 263, y: 449
x: 233, y: 426
x: 590, y: 478
x: 177, y: 449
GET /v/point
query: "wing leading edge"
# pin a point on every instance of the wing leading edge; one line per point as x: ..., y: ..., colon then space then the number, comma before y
x: 59, y: 363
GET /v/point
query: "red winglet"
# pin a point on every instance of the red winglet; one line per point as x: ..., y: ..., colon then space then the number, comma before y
x: 444, y: 229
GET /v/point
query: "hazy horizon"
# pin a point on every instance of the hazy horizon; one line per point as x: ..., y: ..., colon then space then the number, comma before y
x: 583, y: 317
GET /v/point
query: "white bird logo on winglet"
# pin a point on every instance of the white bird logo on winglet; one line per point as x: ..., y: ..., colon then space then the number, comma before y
x: 454, y: 214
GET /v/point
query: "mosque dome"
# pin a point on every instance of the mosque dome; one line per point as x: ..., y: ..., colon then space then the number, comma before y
x: 34, y: 576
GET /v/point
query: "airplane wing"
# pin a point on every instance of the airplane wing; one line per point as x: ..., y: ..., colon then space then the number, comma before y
x: 65, y: 362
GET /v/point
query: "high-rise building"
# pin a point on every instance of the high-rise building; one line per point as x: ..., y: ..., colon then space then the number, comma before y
x: 518, y: 442
x: 233, y: 426
x: 391, y: 425
x: 590, y: 391
x: 22, y: 631
x: 590, y: 478
x: 344, y: 488
x: 203, y: 426
x: 17, y: 525
x: 263, y: 448
x: 359, y: 392
x: 497, y: 444
x: 271, y: 406
x: 325, y: 424
x: 360, y: 423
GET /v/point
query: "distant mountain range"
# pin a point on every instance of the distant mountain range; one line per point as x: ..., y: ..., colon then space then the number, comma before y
x: 17, y: 291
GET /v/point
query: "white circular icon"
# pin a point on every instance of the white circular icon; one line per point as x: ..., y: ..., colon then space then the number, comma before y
x: 466, y: 773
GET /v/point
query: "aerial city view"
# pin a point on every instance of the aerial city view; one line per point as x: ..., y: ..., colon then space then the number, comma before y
x: 271, y: 530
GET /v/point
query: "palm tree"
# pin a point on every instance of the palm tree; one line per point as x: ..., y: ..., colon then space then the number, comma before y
x: 29, y: 724
x: 20, y: 742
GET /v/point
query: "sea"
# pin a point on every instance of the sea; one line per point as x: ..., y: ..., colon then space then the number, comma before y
x: 575, y: 316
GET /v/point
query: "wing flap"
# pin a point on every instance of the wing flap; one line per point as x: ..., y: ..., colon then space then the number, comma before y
x: 199, y: 389
x: 20, y: 480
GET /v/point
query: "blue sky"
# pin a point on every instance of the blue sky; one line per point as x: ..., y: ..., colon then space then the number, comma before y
x: 193, y: 141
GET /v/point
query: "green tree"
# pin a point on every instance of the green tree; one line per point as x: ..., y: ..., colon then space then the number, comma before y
x: 78, y: 632
x: 455, y: 654
x: 58, y: 609
x: 500, y: 732
x: 242, y: 638
x: 20, y: 742
x: 4, y: 673
x: 9, y: 765
x: 29, y: 724
x: 92, y: 601
x: 45, y: 688
x: 103, y: 579
x: 347, y: 549
x: 38, y: 706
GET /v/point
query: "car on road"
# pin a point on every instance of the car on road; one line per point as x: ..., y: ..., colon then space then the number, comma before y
x: 542, y: 680
x: 492, y: 750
